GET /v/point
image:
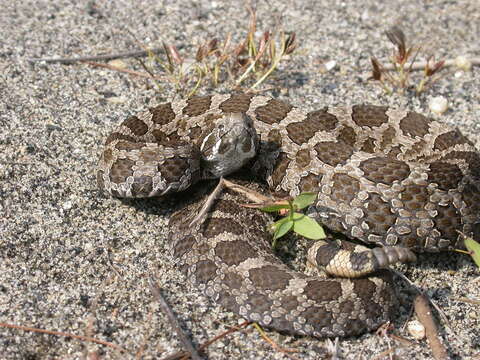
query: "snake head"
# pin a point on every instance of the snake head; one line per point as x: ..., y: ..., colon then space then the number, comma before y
x: 228, y: 146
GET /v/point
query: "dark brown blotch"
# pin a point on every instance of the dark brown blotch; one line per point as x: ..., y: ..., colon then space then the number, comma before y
x: 162, y: 114
x: 274, y: 111
x: 142, y: 186
x: 136, y: 126
x: 369, y: 115
x: 236, y: 103
x: 344, y: 188
x: 446, y: 175
x: 118, y: 136
x: 303, y: 157
x: 197, y: 105
x: 414, y: 124
x: 270, y: 277
x: 170, y: 140
x: 384, y: 170
x: 205, y: 270
x: 414, y: 197
x: 333, y: 153
x: 280, y: 169
x: 310, y: 183
x: 449, y: 139
x: 320, y: 120
x: 121, y: 169
x: 347, y: 135
x: 234, y: 252
x: 378, y: 215
x: 369, y: 146
x: 129, y: 146
x: 448, y: 221
x: 172, y: 169
x: 320, y: 291
x: 470, y: 157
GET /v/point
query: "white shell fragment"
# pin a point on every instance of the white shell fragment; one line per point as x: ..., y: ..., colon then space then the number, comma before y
x: 416, y: 329
x: 438, y: 105
x: 463, y: 63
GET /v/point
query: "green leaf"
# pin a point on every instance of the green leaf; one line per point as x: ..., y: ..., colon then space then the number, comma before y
x: 275, y: 207
x: 304, y: 199
x: 474, y: 248
x: 307, y: 227
x: 282, y: 226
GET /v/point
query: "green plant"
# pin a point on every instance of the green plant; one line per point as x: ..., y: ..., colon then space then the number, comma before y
x: 300, y: 223
x: 473, y: 248
x: 250, y: 61
x: 402, y: 61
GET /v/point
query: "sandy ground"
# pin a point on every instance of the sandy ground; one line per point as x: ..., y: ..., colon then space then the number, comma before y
x: 77, y: 261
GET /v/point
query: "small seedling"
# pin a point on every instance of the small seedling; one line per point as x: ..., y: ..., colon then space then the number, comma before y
x: 300, y: 223
x: 402, y: 61
x: 473, y: 248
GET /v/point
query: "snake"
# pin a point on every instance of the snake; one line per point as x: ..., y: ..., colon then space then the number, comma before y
x: 394, y: 181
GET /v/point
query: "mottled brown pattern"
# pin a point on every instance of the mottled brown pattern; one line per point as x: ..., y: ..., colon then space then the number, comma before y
x: 448, y: 219
x: 205, y: 270
x: 280, y: 168
x: 128, y: 145
x: 369, y: 146
x: 322, y: 290
x: 310, y: 183
x: 142, y: 184
x: 174, y: 168
x: 413, y: 189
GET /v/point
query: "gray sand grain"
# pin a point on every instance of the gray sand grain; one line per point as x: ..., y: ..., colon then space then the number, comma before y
x: 74, y: 260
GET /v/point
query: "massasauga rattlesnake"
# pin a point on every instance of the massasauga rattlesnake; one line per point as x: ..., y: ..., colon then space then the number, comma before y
x: 384, y: 176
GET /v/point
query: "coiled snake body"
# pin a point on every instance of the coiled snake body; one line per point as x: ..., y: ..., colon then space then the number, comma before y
x: 384, y: 176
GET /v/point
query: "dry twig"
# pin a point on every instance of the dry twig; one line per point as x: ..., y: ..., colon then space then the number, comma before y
x: 173, y: 320
x: 424, y: 314
x: 59, y: 333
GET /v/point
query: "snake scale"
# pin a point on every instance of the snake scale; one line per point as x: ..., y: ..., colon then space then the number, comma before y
x: 384, y: 176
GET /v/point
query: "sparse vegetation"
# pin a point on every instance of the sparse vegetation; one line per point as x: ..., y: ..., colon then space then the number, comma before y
x: 245, y: 63
x: 402, y: 61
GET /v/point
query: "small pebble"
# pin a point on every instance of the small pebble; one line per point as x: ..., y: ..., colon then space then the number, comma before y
x: 328, y: 66
x: 463, y: 63
x: 416, y: 329
x: 438, y: 105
